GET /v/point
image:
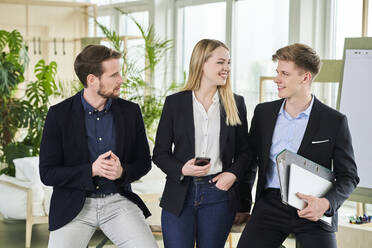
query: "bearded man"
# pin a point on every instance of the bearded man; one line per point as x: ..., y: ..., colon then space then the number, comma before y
x: 93, y: 146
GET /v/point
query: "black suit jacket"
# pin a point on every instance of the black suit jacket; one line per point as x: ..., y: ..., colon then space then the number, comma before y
x: 337, y: 153
x: 176, y: 127
x: 64, y: 156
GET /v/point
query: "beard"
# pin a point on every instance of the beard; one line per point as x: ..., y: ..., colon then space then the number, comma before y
x: 105, y: 93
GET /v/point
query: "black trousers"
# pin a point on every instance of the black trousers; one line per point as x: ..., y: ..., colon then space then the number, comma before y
x: 272, y: 221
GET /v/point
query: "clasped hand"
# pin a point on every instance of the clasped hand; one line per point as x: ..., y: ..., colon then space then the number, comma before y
x: 107, y: 165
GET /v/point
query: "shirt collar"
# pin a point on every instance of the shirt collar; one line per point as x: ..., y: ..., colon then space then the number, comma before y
x: 216, y: 97
x: 88, y: 108
x: 306, y: 112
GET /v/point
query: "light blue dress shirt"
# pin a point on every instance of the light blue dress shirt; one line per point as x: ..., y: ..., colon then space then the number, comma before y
x: 288, y: 134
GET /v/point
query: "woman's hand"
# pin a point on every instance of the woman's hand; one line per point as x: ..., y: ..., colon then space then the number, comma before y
x: 224, y: 180
x: 190, y: 169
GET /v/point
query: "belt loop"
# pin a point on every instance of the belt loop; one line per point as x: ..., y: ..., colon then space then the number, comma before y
x: 207, y: 178
x: 99, y: 195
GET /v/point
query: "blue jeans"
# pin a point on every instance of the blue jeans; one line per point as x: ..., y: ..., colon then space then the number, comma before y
x: 206, y: 218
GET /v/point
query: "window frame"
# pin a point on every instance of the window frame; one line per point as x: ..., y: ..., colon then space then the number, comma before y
x: 128, y: 7
x: 179, y: 56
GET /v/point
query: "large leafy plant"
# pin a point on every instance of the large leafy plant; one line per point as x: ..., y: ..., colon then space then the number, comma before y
x: 38, y: 93
x: 13, y: 111
x: 13, y: 60
x: 138, y: 83
x: 28, y: 111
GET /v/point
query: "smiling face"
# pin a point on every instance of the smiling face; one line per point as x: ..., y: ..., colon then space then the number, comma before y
x: 217, y: 67
x: 292, y: 81
x: 108, y: 84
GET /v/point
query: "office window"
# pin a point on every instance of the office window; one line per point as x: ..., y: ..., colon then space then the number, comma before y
x: 100, y: 2
x: 135, y: 45
x: 128, y: 27
x: 348, y: 23
x: 122, y: 1
x: 198, y: 22
x: 261, y: 29
x: 105, y: 2
x: 104, y: 20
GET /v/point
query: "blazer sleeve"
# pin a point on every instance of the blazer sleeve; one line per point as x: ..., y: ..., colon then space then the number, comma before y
x: 53, y: 171
x: 163, y: 155
x: 142, y: 162
x: 344, y: 167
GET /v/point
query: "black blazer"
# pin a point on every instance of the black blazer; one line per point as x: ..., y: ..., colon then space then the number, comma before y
x: 176, y: 127
x: 324, y: 123
x: 64, y: 156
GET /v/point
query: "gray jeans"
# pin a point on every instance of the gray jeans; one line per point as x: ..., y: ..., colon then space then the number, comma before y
x: 120, y: 219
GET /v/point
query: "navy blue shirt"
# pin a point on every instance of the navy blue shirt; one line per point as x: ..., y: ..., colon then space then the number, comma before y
x: 101, y: 138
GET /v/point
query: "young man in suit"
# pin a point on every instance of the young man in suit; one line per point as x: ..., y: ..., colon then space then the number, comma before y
x: 302, y: 124
x: 94, y: 145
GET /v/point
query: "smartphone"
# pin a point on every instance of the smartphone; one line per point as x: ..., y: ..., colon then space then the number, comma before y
x: 201, y: 161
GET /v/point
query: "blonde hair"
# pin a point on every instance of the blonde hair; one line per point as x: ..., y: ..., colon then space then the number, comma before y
x: 201, y: 53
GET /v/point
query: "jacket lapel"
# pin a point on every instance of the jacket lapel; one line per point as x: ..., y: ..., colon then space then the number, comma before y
x: 270, y: 121
x: 78, y: 124
x: 223, y: 129
x: 312, y: 126
x: 188, y: 116
x: 119, y: 124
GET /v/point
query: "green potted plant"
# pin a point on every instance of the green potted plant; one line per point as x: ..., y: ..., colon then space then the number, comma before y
x: 13, y: 111
x: 28, y: 111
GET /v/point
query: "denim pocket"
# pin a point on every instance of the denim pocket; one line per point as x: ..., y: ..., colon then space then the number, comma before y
x: 216, y: 188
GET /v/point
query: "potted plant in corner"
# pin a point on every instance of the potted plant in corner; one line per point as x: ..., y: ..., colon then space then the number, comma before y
x: 21, y: 191
x: 13, y: 111
x: 28, y: 111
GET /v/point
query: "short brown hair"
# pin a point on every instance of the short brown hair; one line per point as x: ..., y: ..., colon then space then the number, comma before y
x: 89, y: 61
x: 302, y: 55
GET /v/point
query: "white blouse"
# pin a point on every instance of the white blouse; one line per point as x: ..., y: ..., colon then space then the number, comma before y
x: 207, y: 132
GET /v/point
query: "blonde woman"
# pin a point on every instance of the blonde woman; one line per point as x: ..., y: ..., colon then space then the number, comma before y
x: 207, y: 120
